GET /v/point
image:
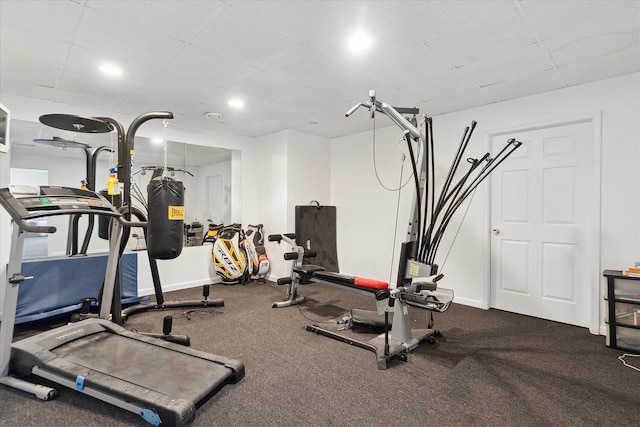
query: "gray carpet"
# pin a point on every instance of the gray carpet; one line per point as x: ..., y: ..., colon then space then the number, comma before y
x: 490, y: 368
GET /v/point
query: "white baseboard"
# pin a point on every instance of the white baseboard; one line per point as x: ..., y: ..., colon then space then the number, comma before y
x: 191, y: 269
x: 149, y: 290
x: 469, y: 302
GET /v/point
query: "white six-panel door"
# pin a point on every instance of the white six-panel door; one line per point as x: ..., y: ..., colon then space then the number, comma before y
x: 540, y: 200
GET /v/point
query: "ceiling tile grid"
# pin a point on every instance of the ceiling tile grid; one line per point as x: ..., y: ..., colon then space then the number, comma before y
x: 290, y: 59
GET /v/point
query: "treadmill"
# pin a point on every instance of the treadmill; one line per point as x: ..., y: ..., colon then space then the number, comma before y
x: 161, y: 381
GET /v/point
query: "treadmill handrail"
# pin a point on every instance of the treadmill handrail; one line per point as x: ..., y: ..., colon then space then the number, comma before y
x: 14, y: 207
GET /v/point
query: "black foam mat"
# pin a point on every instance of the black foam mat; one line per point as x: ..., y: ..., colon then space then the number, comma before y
x: 316, y: 231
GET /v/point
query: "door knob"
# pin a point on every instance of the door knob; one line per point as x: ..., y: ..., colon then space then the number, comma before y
x: 496, y: 231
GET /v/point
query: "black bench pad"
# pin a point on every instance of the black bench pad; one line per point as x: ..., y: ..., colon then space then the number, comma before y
x: 307, y: 269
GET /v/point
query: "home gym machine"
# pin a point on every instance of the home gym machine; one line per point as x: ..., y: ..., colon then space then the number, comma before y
x: 98, y: 357
x: 417, y: 277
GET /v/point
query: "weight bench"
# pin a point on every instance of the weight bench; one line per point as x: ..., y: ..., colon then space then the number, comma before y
x: 398, y: 337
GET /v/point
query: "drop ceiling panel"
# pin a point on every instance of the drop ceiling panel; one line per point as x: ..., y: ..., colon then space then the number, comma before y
x: 516, y: 65
x: 384, y: 34
x: 615, y: 64
x: 98, y: 88
x: 231, y: 35
x: 86, y: 61
x: 429, y: 89
x: 351, y: 88
x: 307, y: 67
x: 198, y: 64
x: 27, y: 70
x: 596, y: 41
x: 55, y: 21
x: 267, y: 85
x: 27, y: 48
x: 24, y: 74
x: 529, y: 85
x: 117, y: 40
x: 98, y: 103
x: 299, y: 20
x: 413, y: 63
x: 175, y: 19
x: 473, y: 98
x: 554, y: 18
x: 28, y: 89
x: 478, y: 40
x: 428, y: 18
x: 164, y: 89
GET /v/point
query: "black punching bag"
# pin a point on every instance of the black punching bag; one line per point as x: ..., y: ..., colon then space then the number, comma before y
x: 166, y: 218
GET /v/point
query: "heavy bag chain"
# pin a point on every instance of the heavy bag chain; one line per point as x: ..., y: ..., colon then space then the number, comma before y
x: 165, y: 124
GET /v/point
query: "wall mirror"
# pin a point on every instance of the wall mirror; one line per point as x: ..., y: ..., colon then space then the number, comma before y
x: 42, y: 155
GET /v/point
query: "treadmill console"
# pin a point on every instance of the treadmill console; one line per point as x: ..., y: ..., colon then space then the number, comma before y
x: 25, y: 201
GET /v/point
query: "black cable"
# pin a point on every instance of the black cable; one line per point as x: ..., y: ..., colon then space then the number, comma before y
x: 416, y: 180
x: 395, y: 225
x: 418, y: 247
x: 445, y: 189
x: 430, y: 186
x: 451, y: 196
x: 375, y: 167
x: 454, y: 165
x: 451, y: 210
x: 433, y: 170
x: 461, y: 147
x: 335, y: 322
x: 458, y: 187
x: 491, y: 165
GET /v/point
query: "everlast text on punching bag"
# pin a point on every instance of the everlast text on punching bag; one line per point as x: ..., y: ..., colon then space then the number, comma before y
x: 166, y: 218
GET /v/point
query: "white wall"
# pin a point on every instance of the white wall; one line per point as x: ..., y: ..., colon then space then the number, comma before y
x: 366, y: 210
x: 308, y: 172
x: 191, y: 269
x: 466, y: 270
x: 294, y: 169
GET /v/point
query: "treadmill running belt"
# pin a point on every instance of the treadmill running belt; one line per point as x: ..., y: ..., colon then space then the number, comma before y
x: 163, y: 370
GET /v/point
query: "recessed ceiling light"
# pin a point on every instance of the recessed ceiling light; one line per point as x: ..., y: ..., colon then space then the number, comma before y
x: 236, y: 103
x: 111, y: 69
x: 360, y: 42
x: 213, y: 116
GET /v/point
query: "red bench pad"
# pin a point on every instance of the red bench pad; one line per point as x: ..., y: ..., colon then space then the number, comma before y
x: 370, y: 283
